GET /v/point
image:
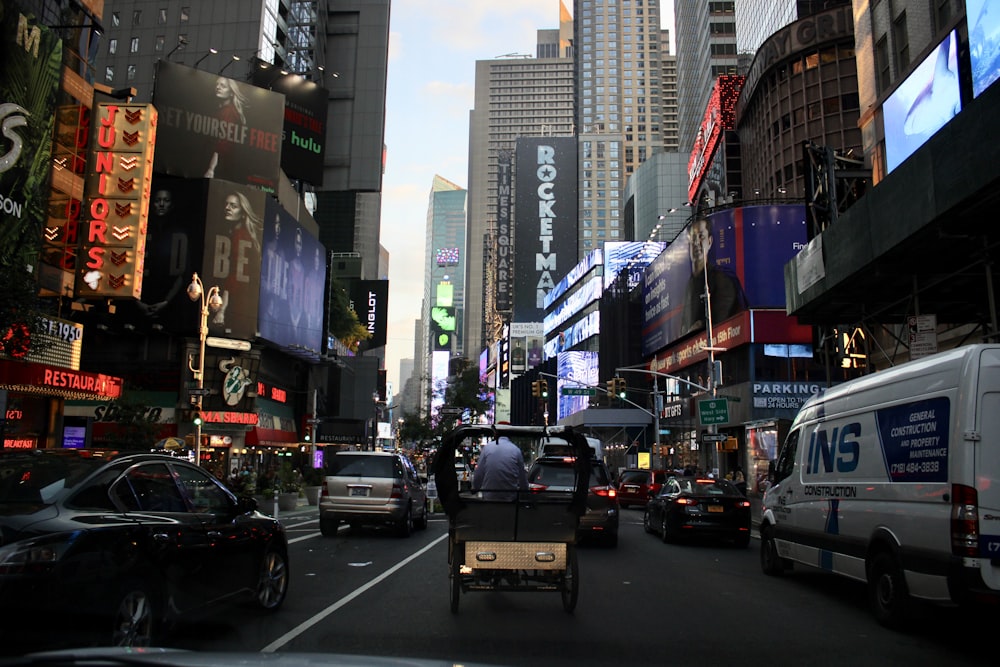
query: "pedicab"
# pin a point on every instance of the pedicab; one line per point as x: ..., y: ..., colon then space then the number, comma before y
x: 524, y: 544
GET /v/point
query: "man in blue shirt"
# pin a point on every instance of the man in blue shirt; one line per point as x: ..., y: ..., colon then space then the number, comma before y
x: 500, y: 471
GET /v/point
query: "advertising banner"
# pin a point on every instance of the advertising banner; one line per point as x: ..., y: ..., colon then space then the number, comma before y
x: 545, y: 226
x: 292, y: 283
x: 370, y: 300
x: 504, y: 232
x: 304, y: 143
x: 747, y: 248
x: 29, y: 79
x: 215, y: 127
x: 234, y: 221
x: 576, y: 370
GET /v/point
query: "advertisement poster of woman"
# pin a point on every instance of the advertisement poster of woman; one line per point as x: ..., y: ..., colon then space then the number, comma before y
x: 233, y: 233
x: 212, y: 126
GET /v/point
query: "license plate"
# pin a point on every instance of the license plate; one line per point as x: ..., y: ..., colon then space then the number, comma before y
x: 359, y: 491
x: 716, y: 508
x: 631, y: 489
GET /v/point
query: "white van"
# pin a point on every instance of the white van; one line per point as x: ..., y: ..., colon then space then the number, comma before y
x: 556, y: 446
x: 893, y: 479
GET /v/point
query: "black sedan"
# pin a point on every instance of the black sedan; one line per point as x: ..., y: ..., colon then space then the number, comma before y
x: 102, y: 548
x: 688, y: 506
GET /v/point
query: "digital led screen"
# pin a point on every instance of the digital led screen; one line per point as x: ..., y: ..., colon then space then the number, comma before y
x: 984, y: 43
x: 923, y: 103
x: 576, y: 369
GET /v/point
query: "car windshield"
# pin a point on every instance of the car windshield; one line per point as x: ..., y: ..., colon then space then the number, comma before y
x: 562, y: 474
x: 362, y: 466
x: 708, y: 487
x: 38, y: 478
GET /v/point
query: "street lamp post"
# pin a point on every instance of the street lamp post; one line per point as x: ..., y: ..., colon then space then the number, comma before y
x: 375, y: 398
x: 211, y: 300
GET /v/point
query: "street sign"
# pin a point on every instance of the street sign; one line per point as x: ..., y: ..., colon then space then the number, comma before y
x: 200, y: 392
x: 714, y: 437
x: 578, y: 391
x: 713, y: 411
x: 228, y: 343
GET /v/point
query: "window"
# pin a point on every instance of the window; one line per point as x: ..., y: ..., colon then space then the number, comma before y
x: 130, y: 73
x: 134, y: 45
x: 882, y: 74
x: 185, y: 14
x: 116, y: 19
x: 112, y: 46
x: 161, y: 16
x: 137, y: 17
x: 158, y: 46
x: 901, y: 41
x: 109, y: 74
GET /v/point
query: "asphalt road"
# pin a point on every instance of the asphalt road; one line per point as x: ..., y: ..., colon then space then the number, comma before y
x: 643, y: 603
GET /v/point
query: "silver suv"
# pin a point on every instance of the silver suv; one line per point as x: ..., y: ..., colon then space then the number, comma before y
x: 372, y: 488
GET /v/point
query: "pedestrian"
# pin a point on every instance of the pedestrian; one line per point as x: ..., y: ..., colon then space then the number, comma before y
x: 500, y: 473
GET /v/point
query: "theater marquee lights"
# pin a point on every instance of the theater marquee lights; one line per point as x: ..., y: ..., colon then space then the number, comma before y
x: 116, y: 193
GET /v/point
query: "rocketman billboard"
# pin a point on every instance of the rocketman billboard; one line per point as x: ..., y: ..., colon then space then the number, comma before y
x: 116, y: 196
x: 29, y: 79
x: 216, y: 127
x: 747, y: 248
x: 545, y: 226
x: 292, y: 284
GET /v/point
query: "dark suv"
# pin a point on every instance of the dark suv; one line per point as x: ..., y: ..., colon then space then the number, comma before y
x: 635, y: 486
x: 556, y: 473
x: 372, y: 488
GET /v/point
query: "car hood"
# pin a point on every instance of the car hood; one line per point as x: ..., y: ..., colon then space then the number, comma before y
x: 163, y: 657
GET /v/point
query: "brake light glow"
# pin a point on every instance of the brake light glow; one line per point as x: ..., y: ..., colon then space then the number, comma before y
x: 964, y: 521
x: 743, y: 503
x: 603, y: 491
x: 686, y: 501
x: 397, y: 490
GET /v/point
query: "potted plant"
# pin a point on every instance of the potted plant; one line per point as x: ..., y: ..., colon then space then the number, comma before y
x: 289, y: 486
x: 313, y: 479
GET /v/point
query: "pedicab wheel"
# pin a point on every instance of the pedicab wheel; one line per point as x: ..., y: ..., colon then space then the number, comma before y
x: 456, y: 579
x: 571, y: 581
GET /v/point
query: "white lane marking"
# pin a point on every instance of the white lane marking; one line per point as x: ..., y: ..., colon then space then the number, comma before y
x: 295, y: 632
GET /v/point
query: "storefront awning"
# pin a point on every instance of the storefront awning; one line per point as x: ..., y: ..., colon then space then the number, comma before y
x: 45, y: 380
x: 275, y: 425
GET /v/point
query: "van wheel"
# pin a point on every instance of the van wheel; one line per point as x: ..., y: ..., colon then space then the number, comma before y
x: 404, y: 527
x: 770, y: 562
x: 887, y: 591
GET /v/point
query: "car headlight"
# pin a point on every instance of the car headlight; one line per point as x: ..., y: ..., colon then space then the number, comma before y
x: 35, y: 554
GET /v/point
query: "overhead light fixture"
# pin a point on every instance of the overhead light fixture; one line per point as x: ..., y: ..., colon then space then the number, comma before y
x: 235, y: 59
x: 211, y: 52
x: 181, y: 43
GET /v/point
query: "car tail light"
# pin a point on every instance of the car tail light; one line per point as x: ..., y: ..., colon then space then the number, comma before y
x: 535, y: 487
x: 604, y: 491
x: 743, y: 503
x: 686, y: 501
x: 964, y: 521
x: 397, y: 490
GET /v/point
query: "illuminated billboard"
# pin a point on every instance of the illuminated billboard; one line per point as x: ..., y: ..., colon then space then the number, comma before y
x: 927, y: 99
x: 720, y: 115
x: 292, y: 284
x: 29, y: 81
x: 304, y: 139
x: 505, y: 240
x: 984, y: 43
x: 747, y: 248
x: 370, y: 301
x: 216, y: 127
x: 116, y: 197
x: 576, y: 370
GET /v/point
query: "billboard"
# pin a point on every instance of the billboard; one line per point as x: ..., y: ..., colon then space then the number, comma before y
x: 576, y: 369
x: 370, y: 301
x: 116, y: 199
x: 545, y: 225
x: 984, y: 44
x: 215, y: 127
x: 29, y: 79
x: 927, y: 99
x: 631, y: 257
x: 304, y: 136
x: 175, y: 241
x: 504, y: 232
x: 720, y: 115
x: 292, y: 283
x: 234, y: 222
x: 747, y: 249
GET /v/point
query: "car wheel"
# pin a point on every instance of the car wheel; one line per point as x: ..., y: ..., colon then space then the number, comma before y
x: 887, y: 591
x: 328, y: 527
x: 404, y: 528
x: 770, y: 562
x: 665, y: 531
x: 571, y: 580
x: 647, y: 524
x: 133, y: 617
x: 272, y: 581
x: 421, y: 523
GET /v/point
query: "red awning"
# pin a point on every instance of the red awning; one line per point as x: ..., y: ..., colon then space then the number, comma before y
x: 271, y: 436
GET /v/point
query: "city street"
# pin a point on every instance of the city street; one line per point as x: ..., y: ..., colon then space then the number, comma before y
x: 375, y: 594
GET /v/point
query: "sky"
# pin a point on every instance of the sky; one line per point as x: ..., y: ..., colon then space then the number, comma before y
x: 433, y: 49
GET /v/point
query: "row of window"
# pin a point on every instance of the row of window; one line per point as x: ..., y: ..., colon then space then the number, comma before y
x: 159, y: 43
x: 161, y: 16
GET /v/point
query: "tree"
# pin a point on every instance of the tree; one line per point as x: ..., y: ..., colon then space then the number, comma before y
x: 344, y: 324
x: 463, y: 391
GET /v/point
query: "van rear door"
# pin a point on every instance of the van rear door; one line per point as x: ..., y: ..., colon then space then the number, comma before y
x: 987, y: 464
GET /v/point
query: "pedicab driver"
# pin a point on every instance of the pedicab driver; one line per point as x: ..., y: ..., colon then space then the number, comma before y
x: 500, y: 472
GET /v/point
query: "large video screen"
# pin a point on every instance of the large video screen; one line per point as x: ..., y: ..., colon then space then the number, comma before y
x: 923, y: 103
x: 984, y: 43
x: 576, y: 370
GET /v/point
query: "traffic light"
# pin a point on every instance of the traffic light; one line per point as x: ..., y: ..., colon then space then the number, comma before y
x: 611, y: 387
x: 620, y: 387
x: 543, y: 387
x: 308, y: 436
x: 196, y: 419
x: 536, y: 389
